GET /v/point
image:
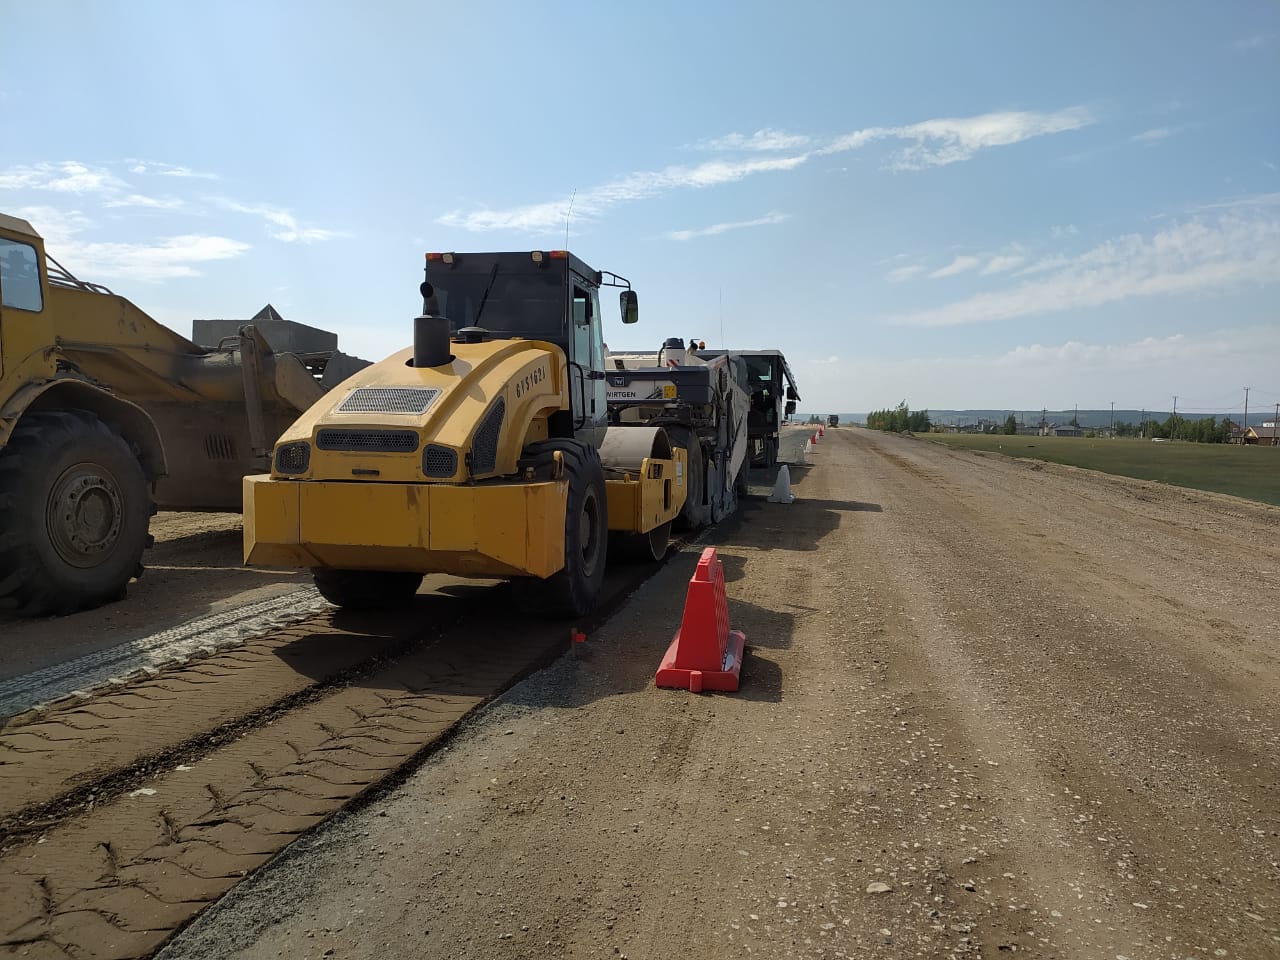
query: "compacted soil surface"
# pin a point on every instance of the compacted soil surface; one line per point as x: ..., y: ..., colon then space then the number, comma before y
x: 194, y: 569
x: 989, y: 707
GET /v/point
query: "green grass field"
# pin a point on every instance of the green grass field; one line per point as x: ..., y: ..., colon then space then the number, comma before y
x: 1241, y: 471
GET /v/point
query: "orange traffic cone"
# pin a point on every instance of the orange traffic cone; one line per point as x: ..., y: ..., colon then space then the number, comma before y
x: 822, y: 431
x: 705, y: 654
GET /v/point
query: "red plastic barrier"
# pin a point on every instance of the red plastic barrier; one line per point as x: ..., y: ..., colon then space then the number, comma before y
x: 705, y: 654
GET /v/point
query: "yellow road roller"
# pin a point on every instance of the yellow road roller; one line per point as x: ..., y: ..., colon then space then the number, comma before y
x: 484, y: 450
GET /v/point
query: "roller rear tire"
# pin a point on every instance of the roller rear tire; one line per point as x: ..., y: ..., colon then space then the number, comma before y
x: 573, y: 590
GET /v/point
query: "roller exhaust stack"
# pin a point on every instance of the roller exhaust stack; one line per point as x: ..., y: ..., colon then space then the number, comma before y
x: 431, y: 341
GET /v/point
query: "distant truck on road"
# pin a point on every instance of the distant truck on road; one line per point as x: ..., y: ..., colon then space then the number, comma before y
x: 833, y: 420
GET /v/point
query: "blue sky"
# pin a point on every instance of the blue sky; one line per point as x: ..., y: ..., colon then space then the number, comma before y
x: 982, y: 205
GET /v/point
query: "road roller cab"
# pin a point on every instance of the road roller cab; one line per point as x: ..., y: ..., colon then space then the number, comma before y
x: 482, y: 450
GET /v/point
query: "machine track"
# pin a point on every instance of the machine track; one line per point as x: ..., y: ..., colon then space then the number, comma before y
x: 125, y: 813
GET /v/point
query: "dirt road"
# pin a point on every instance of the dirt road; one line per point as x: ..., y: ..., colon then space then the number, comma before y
x: 988, y: 707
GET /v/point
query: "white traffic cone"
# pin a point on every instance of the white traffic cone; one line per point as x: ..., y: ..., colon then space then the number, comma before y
x: 782, y: 487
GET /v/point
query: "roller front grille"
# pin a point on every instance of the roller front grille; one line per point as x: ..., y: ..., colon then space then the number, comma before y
x: 484, y: 449
x: 368, y: 441
x: 413, y: 401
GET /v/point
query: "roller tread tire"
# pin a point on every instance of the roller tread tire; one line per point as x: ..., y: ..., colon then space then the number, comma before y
x: 366, y: 589
x: 695, y: 513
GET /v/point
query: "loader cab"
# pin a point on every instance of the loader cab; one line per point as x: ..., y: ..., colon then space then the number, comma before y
x: 22, y: 285
x: 548, y: 295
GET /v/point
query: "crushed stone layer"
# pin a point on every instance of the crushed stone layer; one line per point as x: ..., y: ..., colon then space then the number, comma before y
x: 116, y: 881
x: 217, y: 631
x: 57, y: 752
x: 988, y: 709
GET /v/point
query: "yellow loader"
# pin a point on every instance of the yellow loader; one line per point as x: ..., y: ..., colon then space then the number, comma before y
x: 106, y: 415
x: 482, y: 451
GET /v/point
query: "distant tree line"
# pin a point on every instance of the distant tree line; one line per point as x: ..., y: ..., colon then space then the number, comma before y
x: 1200, y: 430
x: 899, y: 418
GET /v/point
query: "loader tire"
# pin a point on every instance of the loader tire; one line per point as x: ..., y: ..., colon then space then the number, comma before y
x: 74, y: 510
x: 366, y: 589
x: 573, y: 590
x: 695, y: 513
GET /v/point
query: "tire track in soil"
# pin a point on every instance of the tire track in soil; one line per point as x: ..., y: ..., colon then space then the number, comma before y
x: 64, y: 755
x: 169, y: 816
x: 119, y: 881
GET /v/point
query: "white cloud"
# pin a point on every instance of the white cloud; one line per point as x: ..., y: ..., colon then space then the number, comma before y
x: 960, y: 264
x: 1135, y: 372
x: 634, y: 186
x: 1040, y: 266
x: 1255, y: 42
x: 187, y: 172
x: 903, y: 274
x: 81, y: 179
x: 717, y: 228
x: 1199, y: 349
x: 55, y: 225
x: 68, y: 176
x: 1153, y: 135
x: 933, y: 143
x: 1002, y: 263
x: 766, y: 139
x: 151, y: 203
x: 281, y: 224
x: 162, y: 259
x: 950, y: 140
x: 1060, y: 231
x: 158, y: 168
x: 1254, y: 200
x: 1196, y: 255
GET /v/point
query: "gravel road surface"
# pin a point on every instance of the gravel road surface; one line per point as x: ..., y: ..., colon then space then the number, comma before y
x: 988, y: 707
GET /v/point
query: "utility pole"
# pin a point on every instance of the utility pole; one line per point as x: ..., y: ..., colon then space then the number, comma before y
x: 1142, y: 424
x: 1111, y: 431
x: 1245, y: 425
x: 1174, y: 417
x: 1275, y: 427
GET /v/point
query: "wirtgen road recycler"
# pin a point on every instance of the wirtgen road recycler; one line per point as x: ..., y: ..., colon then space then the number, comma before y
x: 484, y: 450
